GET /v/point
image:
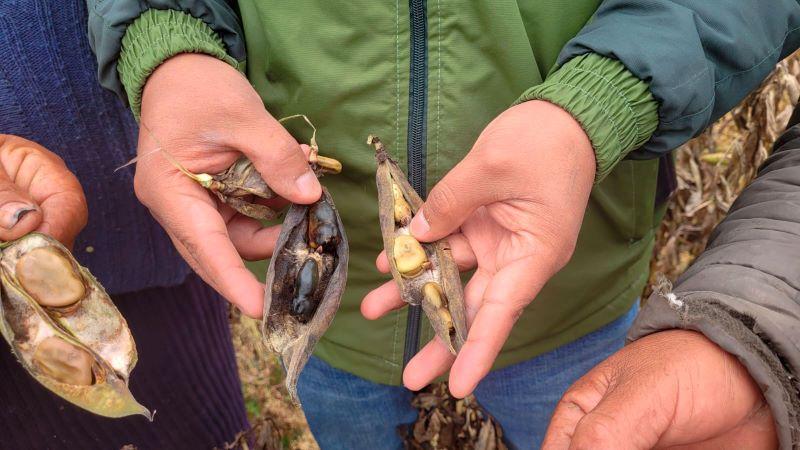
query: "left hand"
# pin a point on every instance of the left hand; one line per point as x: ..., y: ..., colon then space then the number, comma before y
x: 515, y: 204
x: 673, y: 389
x: 38, y: 193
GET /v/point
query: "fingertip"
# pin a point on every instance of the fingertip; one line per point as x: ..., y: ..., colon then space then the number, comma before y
x: 309, y: 190
x: 382, y: 262
x: 460, y: 387
x: 378, y: 302
x: 432, y: 361
x: 251, y: 301
x: 19, y: 222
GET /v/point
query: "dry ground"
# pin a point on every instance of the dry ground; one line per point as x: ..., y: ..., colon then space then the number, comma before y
x: 712, y: 170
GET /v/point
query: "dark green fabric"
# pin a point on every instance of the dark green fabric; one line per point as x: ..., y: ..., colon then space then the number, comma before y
x: 699, y: 57
x: 109, y: 20
x: 345, y: 65
x: 156, y: 36
x: 615, y: 108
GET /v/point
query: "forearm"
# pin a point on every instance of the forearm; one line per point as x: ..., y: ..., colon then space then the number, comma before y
x: 699, y: 58
x: 167, y: 28
x: 743, y: 292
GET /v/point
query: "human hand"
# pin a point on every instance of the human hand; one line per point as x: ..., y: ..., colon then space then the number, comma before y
x: 673, y: 389
x: 38, y: 193
x: 206, y: 115
x: 515, y: 204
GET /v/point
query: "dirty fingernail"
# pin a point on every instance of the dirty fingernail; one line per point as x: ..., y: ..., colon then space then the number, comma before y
x: 12, y: 213
x: 306, y: 182
x: 419, y: 225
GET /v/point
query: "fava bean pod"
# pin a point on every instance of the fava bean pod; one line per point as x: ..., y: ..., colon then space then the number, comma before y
x: 64, y: 329
x: 425, y: 272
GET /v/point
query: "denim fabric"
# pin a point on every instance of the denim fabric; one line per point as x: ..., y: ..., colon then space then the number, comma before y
x: 348, y: 412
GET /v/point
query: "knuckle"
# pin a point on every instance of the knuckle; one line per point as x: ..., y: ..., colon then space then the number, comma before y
x: 594, y: 433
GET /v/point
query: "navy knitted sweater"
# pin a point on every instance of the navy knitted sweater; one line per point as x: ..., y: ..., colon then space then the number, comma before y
x: 48, y: 94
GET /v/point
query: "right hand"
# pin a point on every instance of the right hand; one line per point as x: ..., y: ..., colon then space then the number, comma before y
x: 206, y: 115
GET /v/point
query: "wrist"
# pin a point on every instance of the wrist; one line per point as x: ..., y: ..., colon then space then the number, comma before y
x: 179, y: 69
x: 614, y: 107
x: 559, y: 131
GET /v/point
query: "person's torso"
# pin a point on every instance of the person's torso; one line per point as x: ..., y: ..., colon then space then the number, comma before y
x: 49, y: 94
x: 427, y: 77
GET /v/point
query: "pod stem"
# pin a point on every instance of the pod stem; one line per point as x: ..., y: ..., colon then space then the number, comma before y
x: 313, y: 141
x: 380, y: 150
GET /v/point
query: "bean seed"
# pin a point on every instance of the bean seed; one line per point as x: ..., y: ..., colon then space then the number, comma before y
x: 64, y: 362
x: 409, y: 256
x: 47, y: 276
x: 402, y: 210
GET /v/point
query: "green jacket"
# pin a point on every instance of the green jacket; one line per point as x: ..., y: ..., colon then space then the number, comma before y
x: 642, y: 77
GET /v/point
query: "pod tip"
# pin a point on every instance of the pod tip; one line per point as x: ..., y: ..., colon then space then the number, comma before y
x: 380, y: 150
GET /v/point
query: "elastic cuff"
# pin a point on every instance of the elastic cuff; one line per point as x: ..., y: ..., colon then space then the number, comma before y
x: 156, y: 36
x: 614, y: 107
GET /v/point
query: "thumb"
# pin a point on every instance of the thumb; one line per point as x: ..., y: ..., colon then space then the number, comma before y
x: 280, y: 160
x: 463, y: 190
x: 19, y: 214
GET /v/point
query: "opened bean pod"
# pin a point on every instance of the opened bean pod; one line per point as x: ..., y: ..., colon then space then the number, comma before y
x: 241, y: 181
x: 64, y: 329
x: 305, y: 282
x: 425, y: 272
x: 308, y: 270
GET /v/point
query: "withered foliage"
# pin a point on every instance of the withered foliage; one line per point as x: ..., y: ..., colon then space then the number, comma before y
x: 445, y: 422
x: 712, y: 169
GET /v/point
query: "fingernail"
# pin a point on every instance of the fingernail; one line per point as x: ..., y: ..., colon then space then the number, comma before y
x: 306, y: 183
x: 12, y: 213
x: 419, y: 225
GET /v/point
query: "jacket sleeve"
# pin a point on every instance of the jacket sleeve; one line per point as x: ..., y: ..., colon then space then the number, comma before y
x: 698, y: 59
x: 162, y: 28
x: 743, y: 292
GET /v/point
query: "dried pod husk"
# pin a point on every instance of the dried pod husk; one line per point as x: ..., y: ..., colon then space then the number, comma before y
x: 83, y: 352
x: 448, y: 317
x: 299, y: 303
x: 241, y: 182
x: 236, y: 185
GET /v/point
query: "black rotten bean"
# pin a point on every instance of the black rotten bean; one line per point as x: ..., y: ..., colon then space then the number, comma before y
x: 304, y: 305
x: 323, y: 232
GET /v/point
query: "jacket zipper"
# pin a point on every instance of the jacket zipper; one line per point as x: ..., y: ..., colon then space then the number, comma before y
x: 416, y: 151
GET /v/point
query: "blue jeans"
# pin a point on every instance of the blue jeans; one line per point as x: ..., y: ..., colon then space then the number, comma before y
x: 348, y: 412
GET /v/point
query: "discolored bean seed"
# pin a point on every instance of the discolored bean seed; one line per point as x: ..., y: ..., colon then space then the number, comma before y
x: 303, y: 303
x: 447, y: 319
x: 64, y: 362
x: 433, y: 294
x: 409, y: 256
x: 47, y: 276
x: 402, y: 210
